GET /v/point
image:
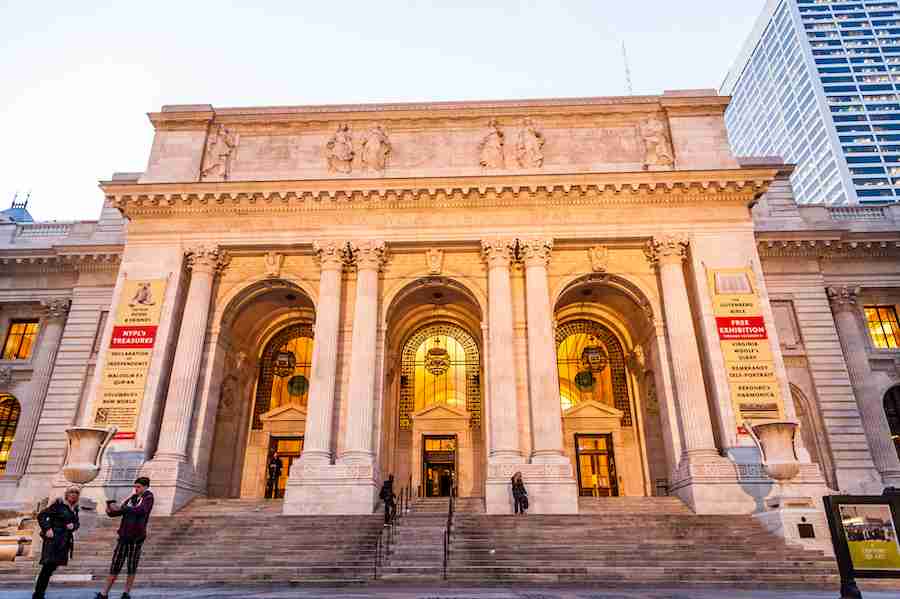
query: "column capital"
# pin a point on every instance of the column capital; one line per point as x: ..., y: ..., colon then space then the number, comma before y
x: 331, y: 254
x: 55, y: 308
x: 207, y: 258
x: 536, y: 251
x: 667, y: 249
x: 843, y: 298
x: 369, y: 254
x: 498, y: 251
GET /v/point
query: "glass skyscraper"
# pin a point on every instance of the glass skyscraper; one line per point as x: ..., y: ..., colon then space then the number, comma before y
x: 817, y: 84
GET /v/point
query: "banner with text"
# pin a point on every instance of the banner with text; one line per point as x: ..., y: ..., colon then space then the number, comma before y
x: 128, y: 356
x: 755, y: 392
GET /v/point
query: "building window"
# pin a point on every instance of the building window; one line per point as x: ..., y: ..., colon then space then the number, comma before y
x: 20, y: 339
x: 9, y: 419
x: 883, y: 327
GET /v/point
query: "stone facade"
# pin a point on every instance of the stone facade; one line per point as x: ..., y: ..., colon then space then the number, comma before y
x: 501, y: 227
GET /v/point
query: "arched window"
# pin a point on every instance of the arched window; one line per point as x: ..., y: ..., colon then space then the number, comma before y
x: 591, y: 367
x: 892, y: 411
x: 284, y: 372
x: 9, y: 419
x: 440, y: 365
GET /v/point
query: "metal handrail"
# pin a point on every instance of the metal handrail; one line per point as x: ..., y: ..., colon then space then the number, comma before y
x: 448, y: 530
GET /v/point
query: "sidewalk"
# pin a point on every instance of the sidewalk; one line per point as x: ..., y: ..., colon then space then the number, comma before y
x: 442, y: 591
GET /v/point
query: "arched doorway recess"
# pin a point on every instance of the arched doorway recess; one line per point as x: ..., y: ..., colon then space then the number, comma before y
x: 892, y: 411
x: 612, y: 425
x: 267, y: 345
x: 433, y: 433
x: 9, y: 421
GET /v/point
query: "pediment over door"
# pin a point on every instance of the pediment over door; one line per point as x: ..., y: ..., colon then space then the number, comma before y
x: 290, y: 418
x: 597, y: 414
x: 440, y: 412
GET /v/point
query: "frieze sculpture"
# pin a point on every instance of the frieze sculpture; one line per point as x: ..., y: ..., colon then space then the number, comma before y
x: 657, y: 146
x: 376, y: 148
x: 219, y: 156
x: 435, y: 260
x: 339, y: 150
x: 529, y: 146
x: 491, y: 148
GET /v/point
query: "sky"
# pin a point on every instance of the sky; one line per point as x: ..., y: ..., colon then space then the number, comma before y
x: 77, y: 78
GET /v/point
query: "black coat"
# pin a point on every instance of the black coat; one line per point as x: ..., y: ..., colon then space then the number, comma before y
x: 55, y: 517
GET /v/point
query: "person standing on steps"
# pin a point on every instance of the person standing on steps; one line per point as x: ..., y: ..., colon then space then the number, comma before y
x: 57, y: 521
x: 273, y: 474
x: 520, y: 495
x: 135, y: 513
x: 390, y: 500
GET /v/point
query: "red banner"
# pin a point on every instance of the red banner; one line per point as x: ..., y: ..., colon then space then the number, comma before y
x: 130, y: 337
x: 741, y: 329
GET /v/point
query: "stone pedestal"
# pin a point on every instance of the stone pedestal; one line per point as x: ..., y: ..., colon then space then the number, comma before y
x: 551, y: 489
x: 787, y: 517
x: 331, y: 489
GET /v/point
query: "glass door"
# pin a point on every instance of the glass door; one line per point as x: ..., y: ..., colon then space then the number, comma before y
x: 286, y: 450
x: 439, y: 461
x: 596, y: 466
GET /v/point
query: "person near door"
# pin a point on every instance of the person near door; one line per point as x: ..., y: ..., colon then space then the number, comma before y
x: 520, y: 495
x: 390, y: 500
x: 135, y: 513
x: 57, y: 521
x: 273, y: 474
x: 445, y: 482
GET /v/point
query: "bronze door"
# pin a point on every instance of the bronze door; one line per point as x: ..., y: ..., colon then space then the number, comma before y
x: 288, y: 449
x: 597, y: 475
x: 439, y: 465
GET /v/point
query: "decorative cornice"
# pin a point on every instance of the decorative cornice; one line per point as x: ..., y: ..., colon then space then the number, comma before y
x: 741, y: 186
x: 86, y: 261
x: 829, y: 249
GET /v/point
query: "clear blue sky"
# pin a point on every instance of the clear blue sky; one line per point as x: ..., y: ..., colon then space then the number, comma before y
x: 76, y: 78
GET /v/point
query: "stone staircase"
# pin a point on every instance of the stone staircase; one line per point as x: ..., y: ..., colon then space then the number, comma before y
x: 230, y: 541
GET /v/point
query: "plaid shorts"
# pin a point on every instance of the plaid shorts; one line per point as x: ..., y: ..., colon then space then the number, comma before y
x: 127, y: 553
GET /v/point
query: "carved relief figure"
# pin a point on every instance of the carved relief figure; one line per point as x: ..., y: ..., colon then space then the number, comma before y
x: 529, y: 146
x: 491, y: 148
x: 376, y: 148
x: 220, y: 150
x: 435, y: 259
x: 339, y: 150
x: 274, y: 260
x: 657, y: 146
x: 599, y: 255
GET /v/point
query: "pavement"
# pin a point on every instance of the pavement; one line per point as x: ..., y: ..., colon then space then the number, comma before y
x: 445, y: 591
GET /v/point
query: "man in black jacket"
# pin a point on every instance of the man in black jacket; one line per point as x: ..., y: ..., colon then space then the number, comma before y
x: 135, y: 513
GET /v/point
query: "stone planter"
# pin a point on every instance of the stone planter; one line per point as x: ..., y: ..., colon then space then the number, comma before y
x: 86, y: 448
x: 776, y: 444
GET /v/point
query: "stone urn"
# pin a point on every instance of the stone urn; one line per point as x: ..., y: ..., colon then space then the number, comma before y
x: 776, y: 444
x: 86, y: 447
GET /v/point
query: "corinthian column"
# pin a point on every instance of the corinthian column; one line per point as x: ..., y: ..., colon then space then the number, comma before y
x: 667, y: 253
x: 498, y: 253
x: 543, y: 376
x: 204, y: 262
x: 320, y: 408
x: 369, y: 257
x: 871, y: 409
x: 53, y: 319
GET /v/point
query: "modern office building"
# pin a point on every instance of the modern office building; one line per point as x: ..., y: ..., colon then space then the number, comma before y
x: 817, y: 83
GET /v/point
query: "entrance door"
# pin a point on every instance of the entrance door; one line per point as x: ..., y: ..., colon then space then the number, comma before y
x: 596, y: 466
x: 439, y: 460
x: 287, y: 449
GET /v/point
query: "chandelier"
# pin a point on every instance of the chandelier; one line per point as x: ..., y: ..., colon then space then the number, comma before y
x: 437, y: 360
x: 593, y: 357
x: 284, y: 363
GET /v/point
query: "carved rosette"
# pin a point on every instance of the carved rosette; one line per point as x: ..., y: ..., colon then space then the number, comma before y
x: 498, y: 251
x: 536, y: 251
x: 843, y: 299
x: 370, y: 254
x: 55, y: 308
x: 331, y: 254
x: 667, y: 249
x: 207, y: 259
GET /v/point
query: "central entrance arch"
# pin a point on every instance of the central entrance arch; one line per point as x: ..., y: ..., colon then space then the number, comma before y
x: 433, y: 436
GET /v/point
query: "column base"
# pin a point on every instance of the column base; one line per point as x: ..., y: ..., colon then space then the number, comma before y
x: 551, y: 487
x: 785, y: 515
x: 339, y: 489
x: 716, y: 485
x: 174, y: 484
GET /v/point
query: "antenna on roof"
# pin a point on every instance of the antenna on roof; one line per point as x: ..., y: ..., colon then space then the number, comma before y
x: 627, y: 70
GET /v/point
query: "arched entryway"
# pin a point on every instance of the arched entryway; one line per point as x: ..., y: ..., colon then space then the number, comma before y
x: 892, y: 411
x: 9, y: 421
x: 433, y: 435
x: 611, y: 422
x: 267, y: 346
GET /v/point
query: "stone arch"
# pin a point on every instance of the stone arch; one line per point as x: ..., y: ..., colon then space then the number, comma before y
x: 266, y: 376
x: 812, y: 432
x: 242, y: 294
x: 10, y: 410
x: 396, y: 296
x: 891, y: 402
x: 634, y: 291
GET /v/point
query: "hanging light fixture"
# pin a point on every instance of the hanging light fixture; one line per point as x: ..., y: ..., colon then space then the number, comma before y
x: 437, y: 359
x: 593, y: 357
